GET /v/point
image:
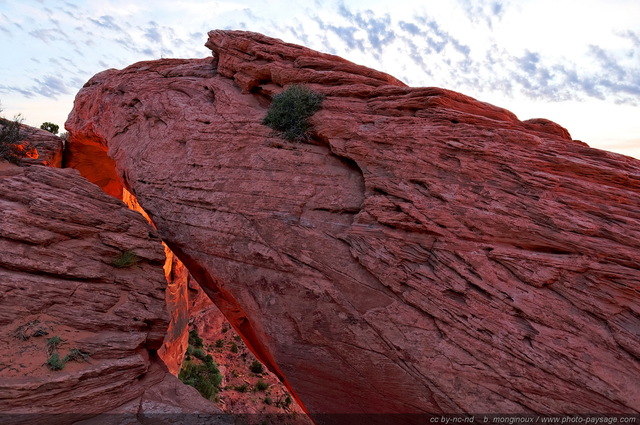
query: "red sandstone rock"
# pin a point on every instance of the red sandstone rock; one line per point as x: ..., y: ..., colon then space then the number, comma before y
x: 427, y: 252
x: 59, y: 238
x: 49, y: 147
x: 177, y: 299
x: 46, y: 148
x: 176, y: 294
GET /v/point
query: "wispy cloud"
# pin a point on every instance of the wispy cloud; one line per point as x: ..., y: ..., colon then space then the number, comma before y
x: 51, y: 86
x: 152, y: 33
x: 483, y: 11
x: 458, y: 45
x: 49, y: 35
x: 107, y: 22
x: 16, y: 89
x: 432, y: 49
x: 378, y: 30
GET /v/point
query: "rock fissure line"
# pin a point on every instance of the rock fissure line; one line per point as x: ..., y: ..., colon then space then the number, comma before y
x: 503, y: 180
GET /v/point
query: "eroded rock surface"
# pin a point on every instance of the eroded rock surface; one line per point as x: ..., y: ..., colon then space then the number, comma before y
x: 177, y: 299
x: 427, y: 252
x: 49, y: 147
x: 61, y: 276
x: 43, y: 147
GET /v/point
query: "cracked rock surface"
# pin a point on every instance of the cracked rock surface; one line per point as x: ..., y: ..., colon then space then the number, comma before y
x: 426, y: 252
x: 60, y: 240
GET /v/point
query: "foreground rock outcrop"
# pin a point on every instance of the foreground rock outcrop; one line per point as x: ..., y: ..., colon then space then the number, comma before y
x: 49, y: 147
x: 40, y: 147
x: 426, y: 252
x: 80, y: 278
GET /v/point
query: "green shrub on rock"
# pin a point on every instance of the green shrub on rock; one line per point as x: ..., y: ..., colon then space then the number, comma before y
x: 55, y: 362
x: 194, y: 339
x: 125, y: 259
x: 205, y: 378
x: 290, y: 111
x: 256, y: 367
x: 13, y: 145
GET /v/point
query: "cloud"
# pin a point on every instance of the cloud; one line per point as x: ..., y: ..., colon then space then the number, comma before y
x: 4, y: 20
x: 606, y: 61
x: 299, y: 33
x: 433, y: 46
x: 49, y: 35
x: 632, y: 36
x: 377, y: 29
x: 529, y: 62
x: 482, y: 11
x: 362, y: 31
x: 152, y: 33
x: 50, y: 86
x: 607, y: 78
x: 107, y: 22
x: 410, y: 27
x: 16, y: 89
x: 348, y: 34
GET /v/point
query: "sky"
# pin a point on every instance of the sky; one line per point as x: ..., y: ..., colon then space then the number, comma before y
x: 575, y: 62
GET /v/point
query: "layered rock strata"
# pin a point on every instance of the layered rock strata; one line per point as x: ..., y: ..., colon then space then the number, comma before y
x: 82, y: 303
x: 425, y: 252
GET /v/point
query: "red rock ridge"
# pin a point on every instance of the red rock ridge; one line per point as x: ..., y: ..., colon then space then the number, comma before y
x: 427, y: 252
x: 59, y: 239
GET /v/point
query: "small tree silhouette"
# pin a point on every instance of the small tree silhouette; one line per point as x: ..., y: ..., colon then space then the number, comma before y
x: 50, y: 127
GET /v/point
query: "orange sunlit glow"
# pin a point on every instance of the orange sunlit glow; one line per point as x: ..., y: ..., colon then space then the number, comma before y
x: 29, y: 152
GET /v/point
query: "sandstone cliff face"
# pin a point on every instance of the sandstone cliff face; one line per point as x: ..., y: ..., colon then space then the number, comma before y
x: 427, y: 252
x: 60, y: 237
x: 177, y: 302
x: 61, y: 276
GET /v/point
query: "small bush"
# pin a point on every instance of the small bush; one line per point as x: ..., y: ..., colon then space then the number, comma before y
x: 55, y: 362
x: 126, y: 259
x: 290, y: 111
x: 256, y: 367
x: 241, y: 388
x: 13, y: 146
x: 52, y: 343
x: 194, y: 339
x: 205, y: 378
x: 219, y: 343
x: 199, y: 353
x: 283, y: 401
x: 234, y: 347
x: 261, y: 385
x: 77, y: 355
x: 268, y: 400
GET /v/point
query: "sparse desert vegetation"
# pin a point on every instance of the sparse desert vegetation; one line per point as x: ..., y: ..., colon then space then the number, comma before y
x: 290, y: 111
x: 13, y: 146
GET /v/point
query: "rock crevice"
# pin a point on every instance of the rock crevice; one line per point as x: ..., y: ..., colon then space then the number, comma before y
x: 427, y: 253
